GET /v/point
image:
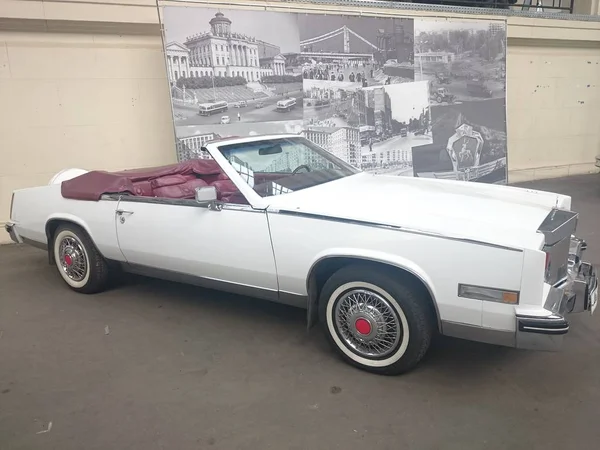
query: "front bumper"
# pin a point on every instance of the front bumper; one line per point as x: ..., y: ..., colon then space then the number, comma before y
x: 577, y: 294
x: 10, y: 229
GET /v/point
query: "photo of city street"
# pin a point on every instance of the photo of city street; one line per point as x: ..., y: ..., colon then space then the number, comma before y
x: 372, y: 128
x: 463, y: 61
x: 367, y: 51
x: 469, y: 143
x: 393, y: 120
x: 230, y: 66
x: 330, y: 103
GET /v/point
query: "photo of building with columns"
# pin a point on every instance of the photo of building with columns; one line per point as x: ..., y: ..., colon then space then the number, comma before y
x: 229, y: 67
x: 223, y: 52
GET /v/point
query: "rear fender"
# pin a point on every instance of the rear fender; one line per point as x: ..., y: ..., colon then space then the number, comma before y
x: 55, y: 219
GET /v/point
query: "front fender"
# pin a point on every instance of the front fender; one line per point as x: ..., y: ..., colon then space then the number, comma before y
x: 365, y: 255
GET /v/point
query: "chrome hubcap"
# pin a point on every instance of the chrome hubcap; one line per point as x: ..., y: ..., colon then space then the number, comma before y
x: 367, y: 323
x: 72, y: 259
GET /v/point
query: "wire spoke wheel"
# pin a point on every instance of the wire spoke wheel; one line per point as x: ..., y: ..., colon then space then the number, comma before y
x: 72, y: 258
x: 367, y: 323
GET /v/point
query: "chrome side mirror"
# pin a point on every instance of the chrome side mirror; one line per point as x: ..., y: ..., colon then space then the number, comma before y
x: 207, y: 196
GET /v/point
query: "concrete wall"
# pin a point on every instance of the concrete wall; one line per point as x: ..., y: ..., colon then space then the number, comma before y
x: 83, y: 84
x: 553, y: 106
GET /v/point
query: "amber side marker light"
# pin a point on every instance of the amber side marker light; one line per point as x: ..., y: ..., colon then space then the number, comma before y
x: 488, y: 294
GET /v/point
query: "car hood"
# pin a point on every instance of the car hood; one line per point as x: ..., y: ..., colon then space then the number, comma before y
x: 495, y: 214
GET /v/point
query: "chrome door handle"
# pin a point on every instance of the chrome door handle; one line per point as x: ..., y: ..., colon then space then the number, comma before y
x: 121, y: 214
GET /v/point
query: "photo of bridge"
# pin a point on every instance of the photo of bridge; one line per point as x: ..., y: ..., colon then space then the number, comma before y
x: 367, y: 51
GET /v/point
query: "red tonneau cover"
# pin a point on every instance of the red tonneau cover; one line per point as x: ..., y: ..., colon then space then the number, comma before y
x: 94, y: 184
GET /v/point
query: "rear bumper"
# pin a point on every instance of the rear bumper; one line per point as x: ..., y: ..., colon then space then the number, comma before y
x: 10, y: 229
x: 577, y: 294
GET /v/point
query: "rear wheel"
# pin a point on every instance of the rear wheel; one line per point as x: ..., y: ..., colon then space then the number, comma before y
x: 375, y: 322
x: 78, y: 261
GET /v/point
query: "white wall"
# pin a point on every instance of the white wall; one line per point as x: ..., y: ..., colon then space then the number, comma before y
x: 80, y: 100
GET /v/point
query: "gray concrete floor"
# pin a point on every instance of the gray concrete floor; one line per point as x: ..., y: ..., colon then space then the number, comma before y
x: 185, y: 368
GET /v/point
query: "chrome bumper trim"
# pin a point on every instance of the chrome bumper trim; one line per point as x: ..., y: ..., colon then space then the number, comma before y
x: 583, y: 287
x: 10, y: 229
x: 577, y: 294
x: 555, y: 325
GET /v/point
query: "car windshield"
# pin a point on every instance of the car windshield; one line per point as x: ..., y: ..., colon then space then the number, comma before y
x: 282, y: 165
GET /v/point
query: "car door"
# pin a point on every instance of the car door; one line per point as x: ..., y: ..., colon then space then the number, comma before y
x: 228, y: 249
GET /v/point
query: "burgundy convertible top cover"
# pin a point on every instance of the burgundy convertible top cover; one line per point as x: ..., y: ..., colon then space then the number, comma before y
x: 92, y: 185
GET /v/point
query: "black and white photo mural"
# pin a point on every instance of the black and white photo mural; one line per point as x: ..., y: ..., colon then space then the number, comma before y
x: 360, y: 99
x: 368, y: 51
x: 231, y: 73
x: 465, y: 66
x: 392, y: 96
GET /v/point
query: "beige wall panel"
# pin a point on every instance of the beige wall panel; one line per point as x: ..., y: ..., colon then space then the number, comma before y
x: 20, y: 9
x: 4, y: 66
x: 152, y: 108
x: 104, y: 12
x: 31, y: 150
x: 80, y: 100
x: 28, y: 103
x: 553, y: 104
x: 132, y: 62
x: 50, y: 60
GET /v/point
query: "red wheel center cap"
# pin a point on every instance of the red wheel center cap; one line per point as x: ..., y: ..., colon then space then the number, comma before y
x: 68, y: 260
x: 363, y: 326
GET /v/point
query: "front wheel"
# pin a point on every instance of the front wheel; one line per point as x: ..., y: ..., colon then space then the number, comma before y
x: 375, y: 322
x: 78, y: 261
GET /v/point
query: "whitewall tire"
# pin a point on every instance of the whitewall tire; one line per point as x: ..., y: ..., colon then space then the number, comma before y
x: 373, y: 321
x: 78, y: 261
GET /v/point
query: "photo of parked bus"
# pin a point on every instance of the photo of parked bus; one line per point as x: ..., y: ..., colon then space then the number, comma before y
x: 208, y: 109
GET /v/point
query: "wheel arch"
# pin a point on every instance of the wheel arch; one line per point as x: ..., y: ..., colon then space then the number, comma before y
x: 327, y: 264
x: 52, y: 224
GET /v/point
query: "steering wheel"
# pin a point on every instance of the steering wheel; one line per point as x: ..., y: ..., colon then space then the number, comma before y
x: 303, y: 166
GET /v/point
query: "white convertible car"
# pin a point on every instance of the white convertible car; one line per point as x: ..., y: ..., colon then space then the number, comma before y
x: 382, y: 262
